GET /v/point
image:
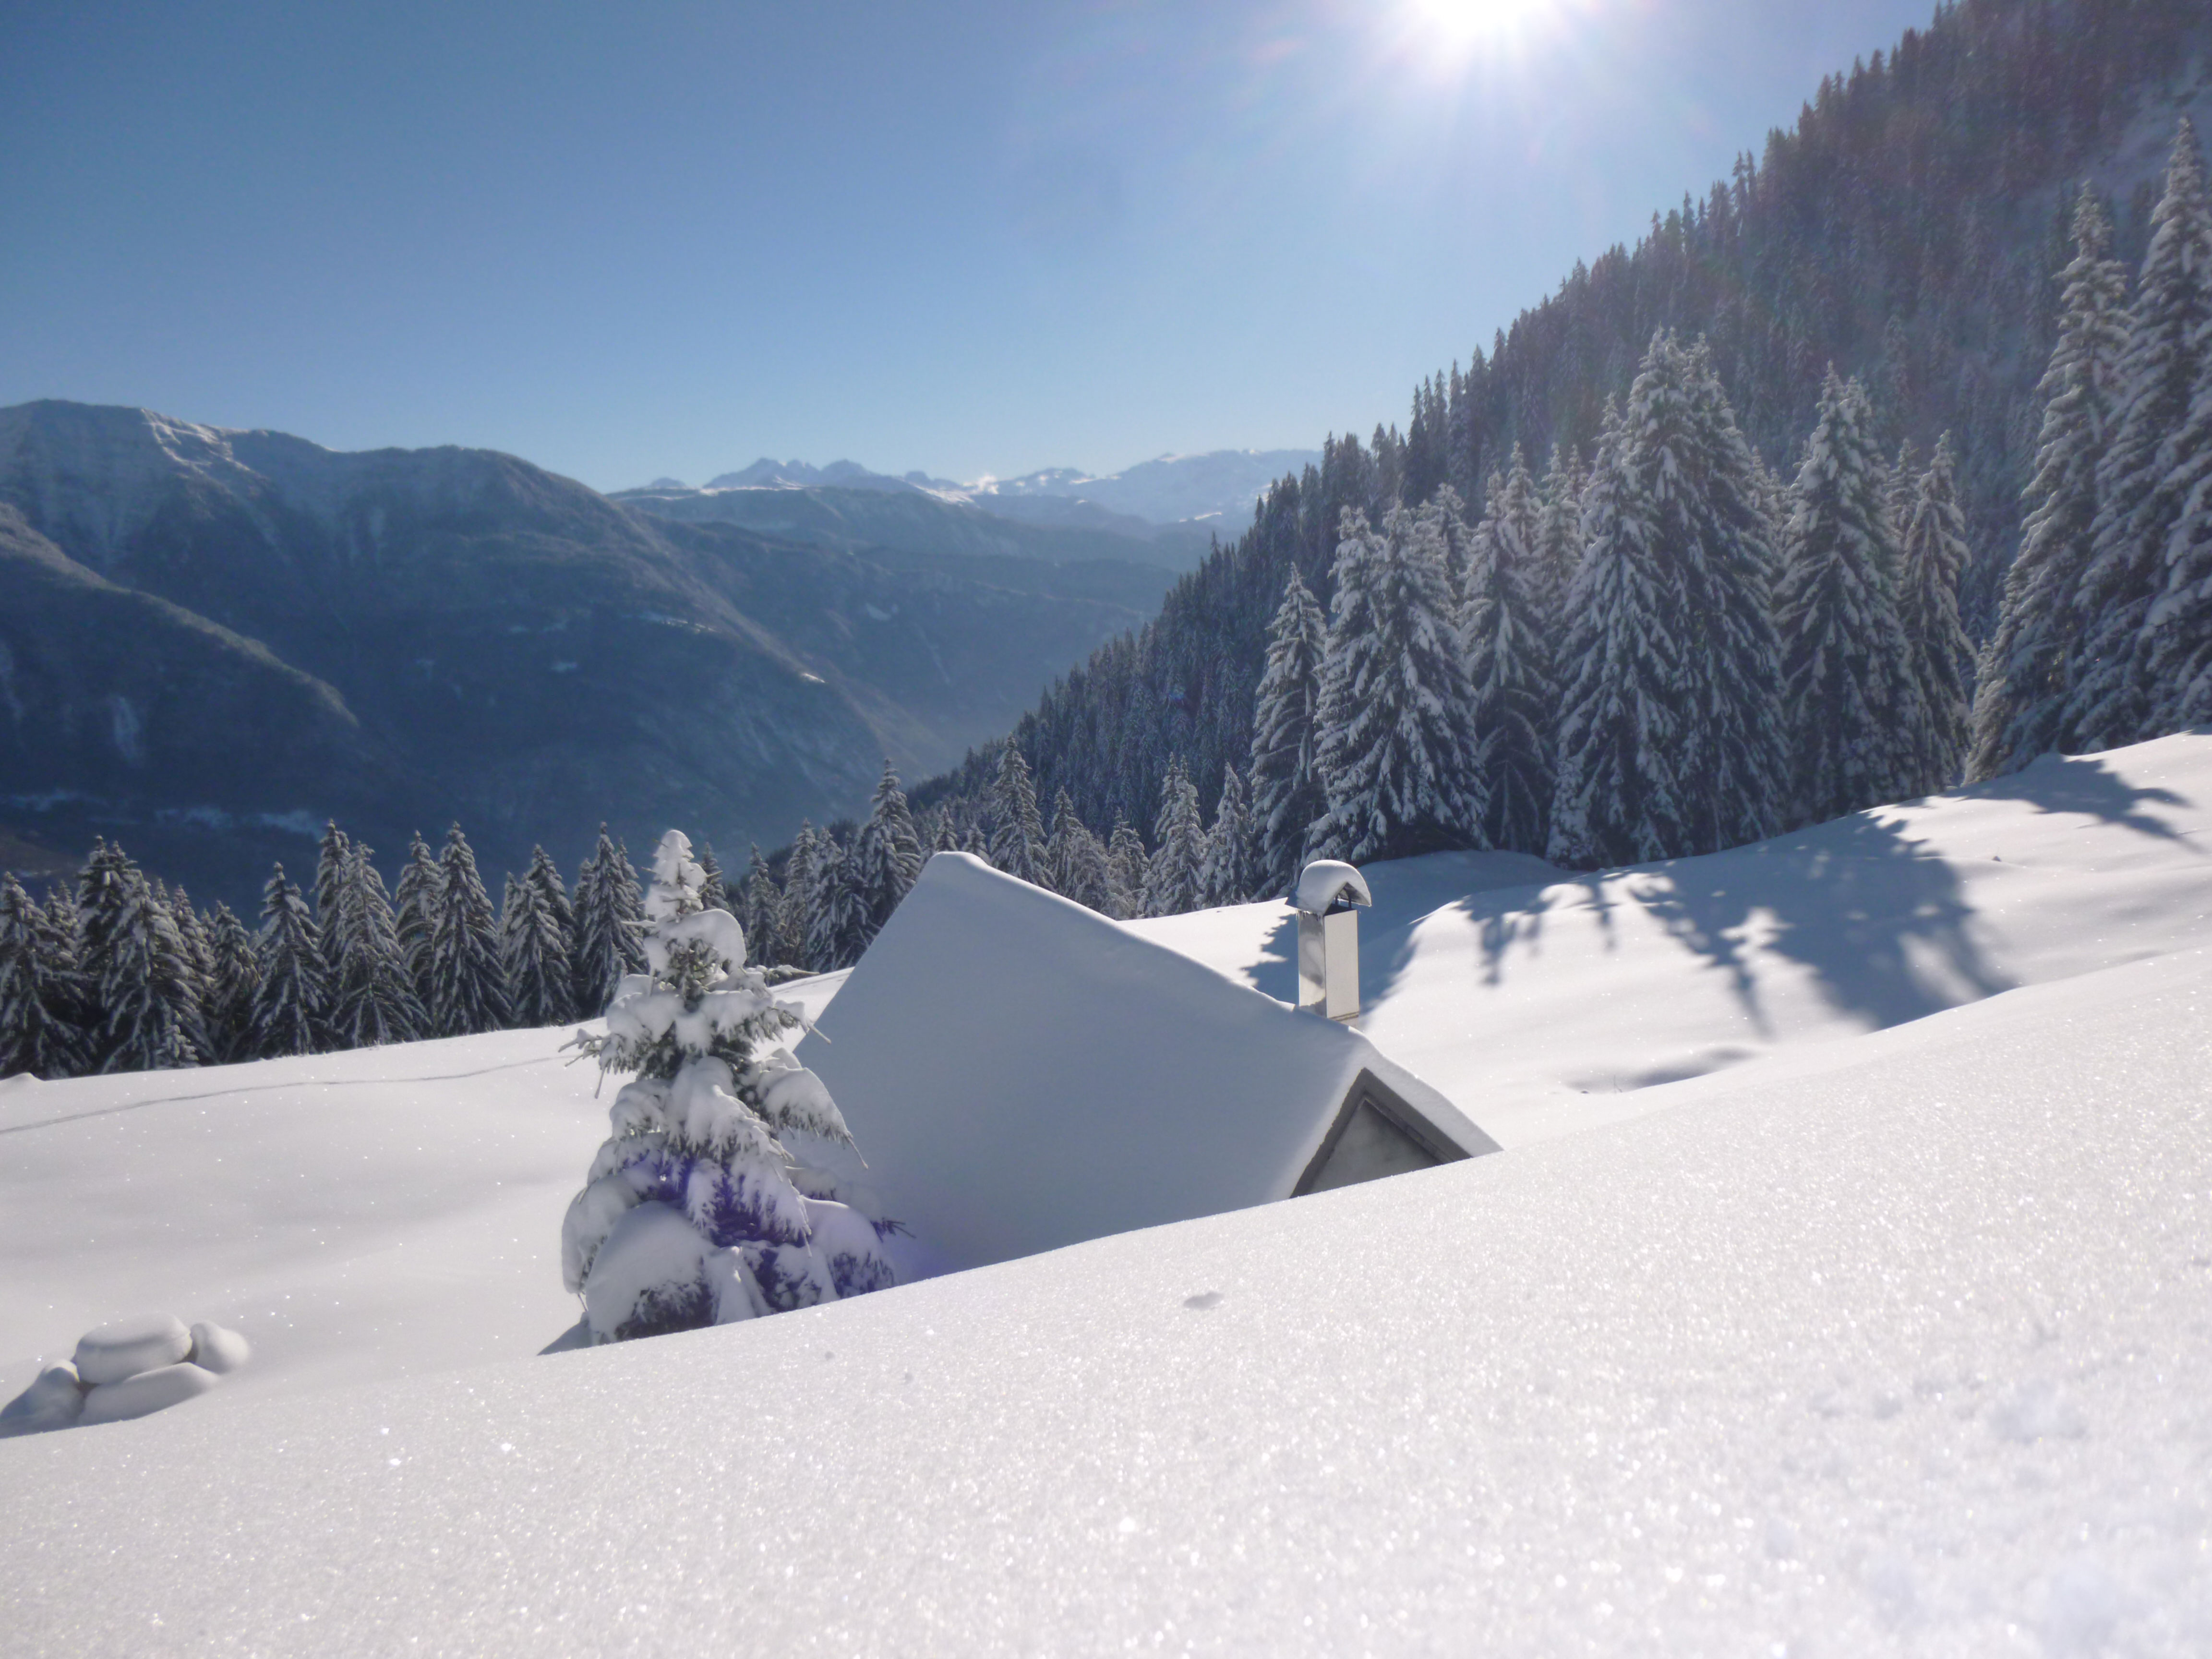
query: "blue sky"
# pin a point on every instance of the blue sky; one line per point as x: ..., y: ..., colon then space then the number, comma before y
x: 669, y: 238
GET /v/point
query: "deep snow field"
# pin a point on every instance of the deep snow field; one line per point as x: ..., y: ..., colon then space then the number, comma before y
x: 1898, y: 1342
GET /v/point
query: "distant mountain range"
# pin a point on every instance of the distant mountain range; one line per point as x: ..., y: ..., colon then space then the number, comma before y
x: 212, y: 639
x: 1173, y: 506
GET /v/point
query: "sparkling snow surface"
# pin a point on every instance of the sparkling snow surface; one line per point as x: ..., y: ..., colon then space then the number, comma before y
x: 1875, y: 1343
x: 1898, y: 1347
x: 1542, y: 1003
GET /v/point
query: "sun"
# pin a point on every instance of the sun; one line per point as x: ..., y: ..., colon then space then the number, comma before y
x: 1461, y: 24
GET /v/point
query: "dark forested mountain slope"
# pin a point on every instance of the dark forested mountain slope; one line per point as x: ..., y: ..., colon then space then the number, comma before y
x: 1907, y: 230
x: 403, y: 638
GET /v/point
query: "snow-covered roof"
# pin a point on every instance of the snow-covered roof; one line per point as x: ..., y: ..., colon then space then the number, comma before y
x: 1023, y: 1073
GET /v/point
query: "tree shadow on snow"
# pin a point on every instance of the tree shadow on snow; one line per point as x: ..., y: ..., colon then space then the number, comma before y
x: 2084, y: 784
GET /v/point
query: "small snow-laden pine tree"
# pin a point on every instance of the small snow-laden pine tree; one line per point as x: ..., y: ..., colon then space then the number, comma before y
x: 944, y: 833
x: 1075, y: 860
x: 290, y: 1001
x: 608, y: 913
x: 762, y: 900
x: 468, y: 982
x: 1287, y: 796
x: 1127, y: 867
x: 333, y: 857
x: 795, y: 923
x: 537, y: 946
x: 37, y: 1036
x: 837, y: 927
x: 234, y: 985
x: 373, y: 1000
x: 1230, y: 871
x: 2028, y: 665
x: 1935, y: 558
x: 1901, y: 492
x: 1398, y: 754
x: 102, y: 898
x: 1017, y: 828
x: 1559, y: 543
x: 192, y: 928
x: 976, y: 844
x: 1620, y: 727
x: 1844, y: 660
x: 1509, y: 668
x: 696, y: 1211
x: 887, y: 855
x: 415, y: 903
x: 150, y: 991
x: 1174, y: 881
x: 2160, y: 452
x: 716, y: 893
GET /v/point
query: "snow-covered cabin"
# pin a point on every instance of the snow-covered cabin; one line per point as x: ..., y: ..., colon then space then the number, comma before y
x: 1023, y: 1073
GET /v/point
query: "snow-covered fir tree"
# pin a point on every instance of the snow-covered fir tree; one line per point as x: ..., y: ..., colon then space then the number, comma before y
x: 715, y: 894
x: 1175, y: 880
x: 696, y: 1211
x: 837, y: 926
x: 1287, y: 793
x: 1559, y: 542
x: 762, y: 902
x: 373, y: 1001
x: 333, y: 856
x: 1230, y: 874
x: 886, y: 855
x: 102, y: 898
x: 1127, y: 868
x: 976, y: 844
x: 2027, y: 665
x: 609, y: 910
x: 37, y: 1035
x: 289, y: 1000
x: 2160, y: 450
x: 1075, y: 861
x: 1846, y: 668
x: 415, y: 904
x: 1018, y: 836
x: 1398, y: 754
x: 150, y: 993
x: 468, y: 982
x: 192, y: 928
x: 795, y: 923
x: 1935, y: 558
x: 537, y: 946
x: 1509, y: 667
x: 1616, y: 799
x: 234, y: 987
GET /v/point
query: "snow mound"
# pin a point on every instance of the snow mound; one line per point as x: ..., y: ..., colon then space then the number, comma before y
x: 129, y: 1368
x: 217, y: 1350
x: 128, y: 1346
x: 55, y: 1399
x: 146, y: 1393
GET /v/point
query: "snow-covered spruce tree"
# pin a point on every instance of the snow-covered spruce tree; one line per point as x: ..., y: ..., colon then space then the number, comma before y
x: 36, y: 1034
x: 2160, y: 450
x: 976, y: 844
x: 149, y: 992
x: 1935, y: 558
x: 192, y: 928
x: 1231, y: 873
x: 1287, y: 797
x: 289, y: 1000
x: 1509, y: 668
x: 333, y: 857
x: 886, y: 855
x: 373, y: 1000
x: 1018, y: 835
x: 1615, y: 801
x: 234, y: 985
x: 2027, y: 665
x: 536, y: 946
x: 795, y: 923
x: 944, y: 833
x: 1127, y: 867
x: 695, y: 1211
x: 716, y: 892
x: 1075, y: 861
x: 763, y: 902
x: 415, y: 903
x: 1559, y: 543
x: 836, y: 929
x: 1846, y: 669
x: 102, y: 898
x: 1397, y: 753
x: 609, y: 908
x: 468, y: 982
x: 1174, y: 881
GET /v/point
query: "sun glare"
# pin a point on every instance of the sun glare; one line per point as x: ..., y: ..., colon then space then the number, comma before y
x: 1462, y: 25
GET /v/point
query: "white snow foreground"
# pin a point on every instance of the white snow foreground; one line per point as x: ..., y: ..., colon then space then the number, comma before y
x: 1893, y: 1345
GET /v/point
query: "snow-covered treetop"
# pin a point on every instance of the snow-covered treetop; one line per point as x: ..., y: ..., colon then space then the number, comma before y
x: 1327, y: 883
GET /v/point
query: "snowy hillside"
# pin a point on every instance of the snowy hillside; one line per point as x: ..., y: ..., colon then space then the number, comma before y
x: 1855, y: 1343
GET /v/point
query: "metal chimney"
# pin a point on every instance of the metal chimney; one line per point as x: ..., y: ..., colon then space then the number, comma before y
x: 1328, y: 939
